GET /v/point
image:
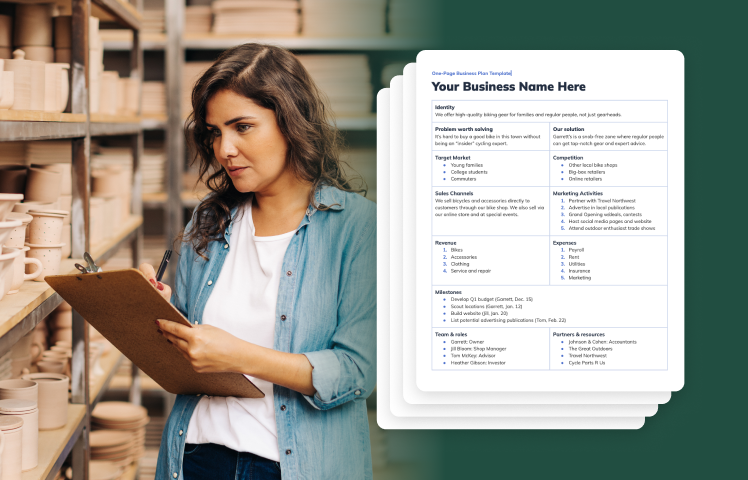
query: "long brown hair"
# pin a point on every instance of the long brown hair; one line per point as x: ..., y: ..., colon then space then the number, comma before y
x: 275, y: 79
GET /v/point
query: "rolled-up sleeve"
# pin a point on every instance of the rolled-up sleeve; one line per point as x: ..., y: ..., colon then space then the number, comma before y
x: 347, y: 370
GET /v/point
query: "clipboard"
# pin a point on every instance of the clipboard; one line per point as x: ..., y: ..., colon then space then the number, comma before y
x: 123, y: 306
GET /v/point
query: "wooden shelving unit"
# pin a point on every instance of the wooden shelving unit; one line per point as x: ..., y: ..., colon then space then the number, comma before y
x: 55, y: 445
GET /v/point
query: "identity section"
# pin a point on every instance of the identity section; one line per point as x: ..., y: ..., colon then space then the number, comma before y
x: 549, y: 235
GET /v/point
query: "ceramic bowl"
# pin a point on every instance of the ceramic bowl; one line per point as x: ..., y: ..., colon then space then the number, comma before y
x: 49, y: 255
x: 43, y: 185
x: 51, y: 366
x: 7, y: 203
x: 21, y: 389
x: 7, y: 260
x: 46, y: 227
x: 17, y: 236
x: 26, y: 206
x: 19, y: 270
x: 13, y: 177
x: 53, y: 399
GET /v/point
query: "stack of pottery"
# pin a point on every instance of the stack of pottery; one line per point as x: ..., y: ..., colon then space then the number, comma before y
x: 279, y: 17
x: 128, y: 96
x: 6, y: 36
x: 96, y: 64
x: 28, y: 411
x: 8, y: 255
x: 45, y: 240
x: 110, y: 201
x: 56, y: 87
x: 109, y: 87
x: 24, y: 353
x: 12, y: 456
x: 32, y: 31
x: 53, y: 399
x: 154, y: 99
x: 17, y: 240
x: 28, y: 81
x: 60, y: 325
x: 124, y: 420
x: 63, y: 38
x: 197, y: 19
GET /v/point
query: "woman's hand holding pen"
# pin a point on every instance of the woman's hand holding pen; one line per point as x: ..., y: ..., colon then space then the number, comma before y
x: 150, y: 274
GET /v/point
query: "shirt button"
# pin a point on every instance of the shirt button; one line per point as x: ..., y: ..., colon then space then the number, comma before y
x: 226, y: 246
x: 195, y: 322
x: 181, y: 432
x: 210, y: 282
x: 288, y: 273
x: 174, y: 475
x: 283, y: 317
x: 357, y: 392
x: 288, y: 452
x: 283, y: 408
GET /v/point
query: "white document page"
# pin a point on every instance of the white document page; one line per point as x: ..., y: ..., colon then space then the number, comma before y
x: 549, y: 221
x: 385, y: 418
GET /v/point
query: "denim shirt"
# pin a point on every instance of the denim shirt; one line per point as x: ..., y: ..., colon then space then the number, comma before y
x: 326, y: 310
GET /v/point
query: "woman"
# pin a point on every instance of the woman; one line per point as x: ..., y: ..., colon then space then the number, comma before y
x: 277, y: 273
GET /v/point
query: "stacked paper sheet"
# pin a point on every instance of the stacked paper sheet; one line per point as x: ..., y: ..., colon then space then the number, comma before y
x: 256, y: 17
x: 153, y: 21
x: 153, y: 99
x: 152, y: 167
x: 343, y: 18
x: 198, y: 19
x: 345, y: 79
x: 442, y: 361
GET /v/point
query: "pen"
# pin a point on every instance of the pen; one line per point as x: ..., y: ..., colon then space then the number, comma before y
x: 162, y: 267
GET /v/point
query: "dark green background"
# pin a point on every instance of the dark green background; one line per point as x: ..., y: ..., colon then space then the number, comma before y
x: 701, y: 431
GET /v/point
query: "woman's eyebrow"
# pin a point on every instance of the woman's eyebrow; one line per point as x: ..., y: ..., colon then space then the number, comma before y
x: 234, y: 120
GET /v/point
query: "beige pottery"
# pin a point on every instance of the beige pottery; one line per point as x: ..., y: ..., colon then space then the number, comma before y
x: 13, y: 177
x: 6, y: 31
x: 61, y: 319
x: 21, y: 69
x: 12, y: 428
x: 49, y: 255
x: 63, y: 55
x: 64, y: 307
x: 7, y: 203
x: 29, y: 412
x: 43, y: 185
x: 19, y: 271
x: 37, y: 85
x: 33, y: 25
x: 50, y: 366
x: 67, y: 240
x: 51, y: 87
x: 17, y: 236
x: 46, y: 227
x: 62, y: 334
x: 39, y: 54
x: 7, y: 260
x: 64, y: 85
x: 66, y: 170
x: 53, y: 399
x: 65, y: 203
x: 63, y: 343
x: 7, y: 94
x: 21, y: 389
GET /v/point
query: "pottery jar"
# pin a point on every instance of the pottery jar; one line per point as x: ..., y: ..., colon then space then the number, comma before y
x: 66, y: 170
x: 49, y: 255
x: 19, y: 271
x: 50, y: 366
x: 21, y: 69
x: 6, y: 31
x: 65, y: 334
x: 33, y: 25
x: 12, y: 428
x: 46, y: 227
x: 21, y: 389
x: 39, y: 54
x: 29, y: 412
x: 64, y: 85
x: 61, y: 319
x: 7, y: 260
x: 51, y: 87
x: 53, y: 399
x: 7, y: 204
x: 7, y: 94
x: 63, y: 31
x: 43, y: 185
x: 17, y: 236
x: 13, y: 178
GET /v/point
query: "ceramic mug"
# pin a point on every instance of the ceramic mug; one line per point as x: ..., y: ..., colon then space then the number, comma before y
x: 43, y: 185
x: 19, y: 273
x: 49, y: 255
x: 17, y: 236
x: 46, y: 227
x: 17, y: 388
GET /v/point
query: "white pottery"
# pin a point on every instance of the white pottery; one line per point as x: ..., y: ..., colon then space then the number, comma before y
x: 19, y: 270
x: 7, y: 260
x: 49, y: 255
x: 12, y: 428
x: 7, y: 203
x: 46, y: 227
x: 29, y: 412
x: 33, y: 25
x: 43, y: 185
x: 37, y: 85
x: 8, y: 89
x: 17, y: 236
x: 21, y: 69
x: 17, y: 388
x: 53, y: 399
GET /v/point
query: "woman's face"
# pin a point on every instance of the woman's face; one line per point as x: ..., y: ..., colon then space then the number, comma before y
x: 247, y: 142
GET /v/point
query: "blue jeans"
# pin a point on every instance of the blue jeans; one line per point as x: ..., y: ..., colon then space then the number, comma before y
x: 216, y: 462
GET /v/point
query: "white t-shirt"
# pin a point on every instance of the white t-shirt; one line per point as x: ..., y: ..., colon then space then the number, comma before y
x: 243, y: 303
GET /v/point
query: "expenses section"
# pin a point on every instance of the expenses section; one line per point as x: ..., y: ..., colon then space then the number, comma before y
x: 543, y: 212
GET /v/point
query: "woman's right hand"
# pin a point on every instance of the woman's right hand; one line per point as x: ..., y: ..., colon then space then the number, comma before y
x: 150, y: 274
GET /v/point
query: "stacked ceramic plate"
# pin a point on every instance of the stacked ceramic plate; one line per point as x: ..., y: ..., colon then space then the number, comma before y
x: 152, y: 167
x: 256, y: 17
x: 345, y: 79
x: 119, y: 432
x: 50, y: 151
x: 154, y: 98
x: 153, y: 21
x: 343, y: 18
x: 198, y: 19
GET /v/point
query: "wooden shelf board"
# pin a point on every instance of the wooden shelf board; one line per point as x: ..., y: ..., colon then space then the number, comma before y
x: 53, y: 443
x: 128, y: 226
x: 35, y: 116
x: 14, y: 308
x: 103, y: 118
x: 109, y: 362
